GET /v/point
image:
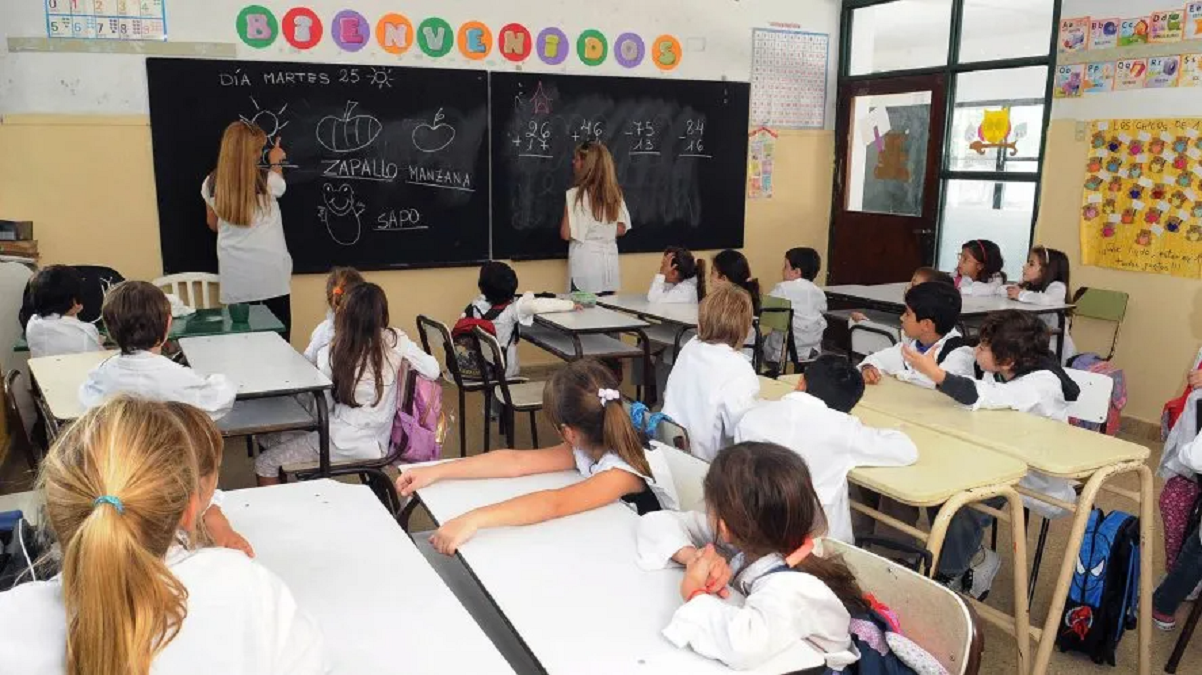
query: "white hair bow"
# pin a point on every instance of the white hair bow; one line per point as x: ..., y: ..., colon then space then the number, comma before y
x: 607, y: 395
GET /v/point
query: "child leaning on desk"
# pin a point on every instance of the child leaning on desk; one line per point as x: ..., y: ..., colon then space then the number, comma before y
x: 599, y: 441
x: 979, y: 270
x: 800, y: 268
x: 54, y: 328
x: 681, y: 278
x: 1045, y: 282
x: 929, y: 326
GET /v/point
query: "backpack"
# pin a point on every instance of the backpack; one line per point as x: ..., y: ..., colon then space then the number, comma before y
x: 952, y: 345
x: 421, y: 430
x: 463, y: 336
x: 1104, y: 593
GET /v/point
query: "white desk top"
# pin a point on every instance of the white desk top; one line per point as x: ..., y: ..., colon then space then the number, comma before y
x: 894, y: 294
x: 572, y: 589
x: 590, y: 319
x: 59, y: 379
x: 591, y: 344
x: 684, y: 313
x: 261, y: 364
x: 380, y: 605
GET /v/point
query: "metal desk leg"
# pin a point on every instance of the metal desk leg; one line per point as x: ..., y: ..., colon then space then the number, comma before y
x: 648, y: 369
x: 1062, y: 320
x: 323, y: 434
x: 1145, y: 569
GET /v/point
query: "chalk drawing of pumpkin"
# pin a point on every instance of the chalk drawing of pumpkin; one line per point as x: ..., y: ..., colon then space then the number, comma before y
x: 1194, y: 233
x: 1128, y: 216
x: 1108, y: 230
x: 1157, y: 165
x: 348, y: 132
x: 1172, y: 224
x: 1110, y: 207
x: 1152, y: 216
x: 1144, y: 238
x: 1089, y: 212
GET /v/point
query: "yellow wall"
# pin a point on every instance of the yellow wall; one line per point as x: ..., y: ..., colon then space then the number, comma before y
x: 1163, y: 327
x: 87, y: 182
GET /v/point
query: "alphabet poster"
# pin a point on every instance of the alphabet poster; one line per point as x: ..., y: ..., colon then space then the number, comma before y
x: 788, y: 78
x: 1142, y: 205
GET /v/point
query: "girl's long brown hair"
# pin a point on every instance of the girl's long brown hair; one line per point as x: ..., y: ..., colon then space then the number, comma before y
x: 339, y: 283
x: 733, y: 266
x: 598, y: 179
x: 238, y: 185
x: 1053, y: 266
x: 123, y: 605
x: 689, y: 266
x: 358, y: 347
x: 571, y: 398
x: 764, y: 495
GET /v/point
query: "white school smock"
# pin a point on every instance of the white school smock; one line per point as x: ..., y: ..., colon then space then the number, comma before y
x: 809, y: 323
x: 777, y: 609
x: 684, y: 292
x: 55, y: 335
x: 710, y: 388
x: 320, y: 337
x: 156, y: 377
x: 1182, y: 433
x: 1054, y: 294
x: 242, y: 620
x: 520, y: 311
x: 980, y: 288
x: 593, y: 251
x: 832, y: 444
x: 961, y: 361
x: 659, y: 482
x: 253, y: 261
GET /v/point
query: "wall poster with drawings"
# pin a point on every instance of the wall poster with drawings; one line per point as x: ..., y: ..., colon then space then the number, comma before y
x: 107, y: 19
x: 788, y: 78
x: 761, y: 161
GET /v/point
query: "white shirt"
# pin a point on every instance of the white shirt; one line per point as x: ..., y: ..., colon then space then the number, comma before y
x: 961, y: 361
x: 1171, y: 461
x: 320, y: 337
x: 156, y: 377
x: 981, y: 288
x: 253, y: 261
x: 1054, y: 294
x: 364, y: 432
x: 832, y: 444
x: 242, y: 620
x: 778, y: 608
x: 520, y: 311
x: 809, y: 304
x: 659, y: 482
x: 55, y: 335
x: 710, y: 388
x: 684, y: 292
x: 593, y: 250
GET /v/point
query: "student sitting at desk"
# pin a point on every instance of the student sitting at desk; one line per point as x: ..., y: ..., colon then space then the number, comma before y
x: 758, y: 536
x: 920, y: 276
x: 712, y: 384
x: 815, y: 422
x: 731, y: 267
x: 979, y: 271
x: 138, y: 317
x: 681, y: 278
x: 809, y: 305
x: 338, y: 283
x: 599, y: 441
x: 929, y: 324
x: 1185, y: 571
x: 1045, y: 282
x: 134, y: 593
x: 1020, y: 374
x: 53, y: 329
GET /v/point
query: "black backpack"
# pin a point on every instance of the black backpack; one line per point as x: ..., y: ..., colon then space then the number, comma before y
x: 952, y: 345
x: 466, y: 357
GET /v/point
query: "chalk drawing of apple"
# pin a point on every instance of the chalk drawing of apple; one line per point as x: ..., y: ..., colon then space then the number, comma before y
x: 433, y: 137
x: 349, y: 132
x: 341, y: 213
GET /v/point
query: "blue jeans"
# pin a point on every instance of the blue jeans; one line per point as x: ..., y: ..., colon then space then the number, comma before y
x: 1183, y: 579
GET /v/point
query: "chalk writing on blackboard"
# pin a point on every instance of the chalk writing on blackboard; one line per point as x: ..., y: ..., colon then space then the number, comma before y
x: 348, y: 132
x: 355, y: 168
x: 694, y: 137
x: 341, y: 213
x: 430, y: 138
x: 381, y: 78
x: 400, y: 220
x: 440, y: 178
x: 644, y: 136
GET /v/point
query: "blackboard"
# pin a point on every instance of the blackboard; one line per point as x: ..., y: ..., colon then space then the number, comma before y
x: 680, y: 147
x: 388, y: 167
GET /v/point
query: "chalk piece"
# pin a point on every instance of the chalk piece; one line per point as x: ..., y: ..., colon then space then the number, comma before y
x: 1138, y: 205
x: 1103, y: 126
x: 1145, y: 136
x: 1146, y: 182
x: 1163, y: 206
x: 1094, y: 199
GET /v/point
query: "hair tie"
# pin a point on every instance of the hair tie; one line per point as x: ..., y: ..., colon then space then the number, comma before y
x: 337, y: 290
x: 607, y: 395
x: 807, y: 547
x: 111, y: 501
x: 984, y: 253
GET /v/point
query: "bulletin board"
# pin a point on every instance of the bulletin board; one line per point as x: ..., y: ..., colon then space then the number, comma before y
x: 1142, y: 204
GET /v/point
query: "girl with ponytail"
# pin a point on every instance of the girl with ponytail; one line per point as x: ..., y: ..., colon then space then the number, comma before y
x: 599, y: 440
x: 123, y: 496
x: 758, y: 534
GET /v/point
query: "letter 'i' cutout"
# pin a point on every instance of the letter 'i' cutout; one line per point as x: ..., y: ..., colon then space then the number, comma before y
x: 302, y: 28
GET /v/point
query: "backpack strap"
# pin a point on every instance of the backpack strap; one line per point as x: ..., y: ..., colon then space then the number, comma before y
x: 952, y: 345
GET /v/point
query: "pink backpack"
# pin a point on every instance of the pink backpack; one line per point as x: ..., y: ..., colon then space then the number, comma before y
x: 423, y: 429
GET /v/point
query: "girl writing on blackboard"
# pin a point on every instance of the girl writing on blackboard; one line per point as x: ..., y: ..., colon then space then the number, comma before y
x: 240, y: 195
x: 594, y: 216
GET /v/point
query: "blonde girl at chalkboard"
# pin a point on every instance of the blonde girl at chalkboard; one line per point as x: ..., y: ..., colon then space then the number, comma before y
x: 594, y: 216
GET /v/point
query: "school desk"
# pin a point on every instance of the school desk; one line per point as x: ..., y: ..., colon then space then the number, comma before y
x: 588, y: 333
x: 380, y: 606
x: 675, y: 319
x: 214, y: 321
x: 28, y: 503
x: 1057, y: 449
x: 56, y: 381
x: 775, y: 390
x: 571, y: 587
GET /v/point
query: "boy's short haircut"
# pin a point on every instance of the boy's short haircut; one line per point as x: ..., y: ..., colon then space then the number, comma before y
x: 805, y: 260
x: 136, y: 315
x: 936, y: 301
x: 1016, y: 337
x: 498, y: 282
x: 925, y: 274
x: 724, y: 316
x: 833, y: 380
x: 55, y: 290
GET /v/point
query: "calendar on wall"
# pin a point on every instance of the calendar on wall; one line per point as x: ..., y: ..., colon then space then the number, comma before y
x: 107, y: 19
x: 788, y: 78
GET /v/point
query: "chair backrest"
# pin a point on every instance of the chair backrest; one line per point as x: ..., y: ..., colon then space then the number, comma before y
x: 1093, y: 405
x: 13, y: 425
x: 1102, y: 305
x: 434, y: 333
x: 688, y: 477
x: 670, y: 433
x: 776, y: 314
x: 934, y: 617
x: 192, y: 288
x: 493, y: 359
x: 869, y: 339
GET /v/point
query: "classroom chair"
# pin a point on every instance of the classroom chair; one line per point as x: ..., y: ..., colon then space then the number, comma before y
x: 189, y: 286
x: 776, y: 316
x: 868, y: 339
x: 15, y: 426
x: 97, y: 280
x: 1101, y: 305
x: 688, y: 477
x: 666, y: 431
x: 431, y: 332
x: 514, y: 397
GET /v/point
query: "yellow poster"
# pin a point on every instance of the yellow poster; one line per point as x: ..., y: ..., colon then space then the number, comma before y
x: 1142, y: 206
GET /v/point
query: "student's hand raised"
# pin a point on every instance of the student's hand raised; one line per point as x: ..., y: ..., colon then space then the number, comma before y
x: 276, y: 154
x: 453, y: 534
x: 412, y: 480
x: 923, y: 363
x: 871, y: 375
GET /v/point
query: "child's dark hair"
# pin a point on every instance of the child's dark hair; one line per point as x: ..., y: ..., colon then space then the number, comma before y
x: 339, y: 282
x: 572, y: 398
x: 498, y: 282
x: 733, y: 266
x: 55, y: 290
x: 805, y: 260
x: 989, y: 255
x: 939, y: 302
x: 764, y: 495
x: 136, y: 315
x: 1016, y: 337
x: 358, y: 346
x: 689, y: 267
x: 834, y: 381
x: 925, y: 274
x: 1054, y: 267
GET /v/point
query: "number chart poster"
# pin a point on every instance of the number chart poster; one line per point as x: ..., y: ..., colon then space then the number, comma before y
x: 788, y: 78
x: 107, y: 19
x: 1142, y: 205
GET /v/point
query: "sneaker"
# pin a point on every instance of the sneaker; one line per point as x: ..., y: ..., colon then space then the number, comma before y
x: 983, y: 569
x: 1165, y: 622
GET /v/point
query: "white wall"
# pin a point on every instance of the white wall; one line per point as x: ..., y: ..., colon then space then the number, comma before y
x: 715, y: 34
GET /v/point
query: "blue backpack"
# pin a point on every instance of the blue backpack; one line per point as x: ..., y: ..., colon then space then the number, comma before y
x: 1104, y: 594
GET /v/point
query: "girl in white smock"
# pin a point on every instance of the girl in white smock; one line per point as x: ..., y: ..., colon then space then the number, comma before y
x: 1045, y: 282
x: 594, y: 216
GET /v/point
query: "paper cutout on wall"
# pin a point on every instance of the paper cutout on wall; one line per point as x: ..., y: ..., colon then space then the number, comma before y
x: 761, y: 158
x: 993, y: 133
x: 891, y: 163
x: 788, y: 78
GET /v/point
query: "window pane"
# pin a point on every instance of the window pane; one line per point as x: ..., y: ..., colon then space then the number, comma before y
x: 888, y: 146
x: 900, y: 35
x: 1000, y: 212
x: 996, y: 108
x: 1005, y: 30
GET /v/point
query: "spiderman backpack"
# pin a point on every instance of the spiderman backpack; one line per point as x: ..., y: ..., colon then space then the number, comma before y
x: 1104, y: 594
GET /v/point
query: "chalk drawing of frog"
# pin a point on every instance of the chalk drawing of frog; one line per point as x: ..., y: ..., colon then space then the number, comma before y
x: 341, y: 213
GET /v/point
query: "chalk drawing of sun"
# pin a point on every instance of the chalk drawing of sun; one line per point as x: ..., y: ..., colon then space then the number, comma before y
x: 270, y: 121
